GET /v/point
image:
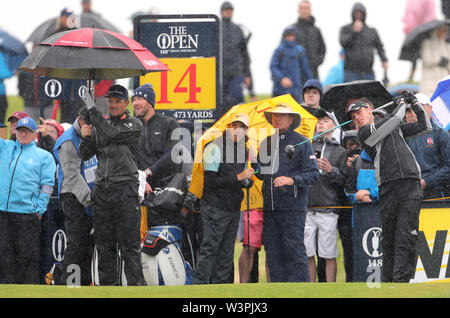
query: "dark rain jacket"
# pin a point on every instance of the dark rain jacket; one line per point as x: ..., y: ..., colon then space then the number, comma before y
x: 326, y: 192
x: 385, y: 144
x: 432, y: 152
x: 156, y: 148
x: 310, y: 37
x: 290, y: 60
x: 222, y: 189
x: 359, y: 46
x: 116, y: 142
x: 275, y: 163
x: 235, y: 60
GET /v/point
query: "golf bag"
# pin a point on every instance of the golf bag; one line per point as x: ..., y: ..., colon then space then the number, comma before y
x: 162, y: 257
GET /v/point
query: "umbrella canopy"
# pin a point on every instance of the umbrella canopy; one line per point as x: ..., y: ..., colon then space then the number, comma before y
x: 336, y: 97
x: 441, y: 103
x: 84, y: 20
x: 13, y: 49
x: 259, y: 128
x: 92, y: 54
x: 410, y: 50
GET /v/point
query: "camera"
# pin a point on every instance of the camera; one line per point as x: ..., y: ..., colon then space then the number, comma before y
x: 353, y: 152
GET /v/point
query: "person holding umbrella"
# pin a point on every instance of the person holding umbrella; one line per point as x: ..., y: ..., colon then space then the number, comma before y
x: 225, y: 174
x: 286, y: 180
x: 398, y: 179
x: 116, y: 142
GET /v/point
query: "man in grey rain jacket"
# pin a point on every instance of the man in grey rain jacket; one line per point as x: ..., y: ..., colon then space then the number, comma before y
x: 75, y: 182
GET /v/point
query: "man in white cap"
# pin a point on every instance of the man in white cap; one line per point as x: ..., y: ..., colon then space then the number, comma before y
x: 321, y: 223
x: 286, y: 179
x: 28, y: 177
x: 225, y: 173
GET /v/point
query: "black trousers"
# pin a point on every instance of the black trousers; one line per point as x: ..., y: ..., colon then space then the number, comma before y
x: 117, y: 223
x: 215, y: 261
x: 19, y: 248
x: 80, y: 245
x: 400, y: 203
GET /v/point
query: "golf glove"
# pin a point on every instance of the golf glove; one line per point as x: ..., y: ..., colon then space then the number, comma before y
x: 399, y: 100
x: 88, y: 99
x: 409, y: 97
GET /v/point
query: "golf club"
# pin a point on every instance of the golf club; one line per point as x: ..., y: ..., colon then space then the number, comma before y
x: 290, y: 149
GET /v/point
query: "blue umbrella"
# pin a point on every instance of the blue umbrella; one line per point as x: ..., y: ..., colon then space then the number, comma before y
x: 13, y: 50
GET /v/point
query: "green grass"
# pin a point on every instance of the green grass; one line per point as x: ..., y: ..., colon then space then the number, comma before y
x: 261, y: 290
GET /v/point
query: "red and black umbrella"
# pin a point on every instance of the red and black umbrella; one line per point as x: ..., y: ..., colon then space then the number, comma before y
x: 91, y: 54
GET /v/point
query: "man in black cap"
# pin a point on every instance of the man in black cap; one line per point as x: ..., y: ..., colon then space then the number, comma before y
x: 116, y: 142
x: 398, y: 178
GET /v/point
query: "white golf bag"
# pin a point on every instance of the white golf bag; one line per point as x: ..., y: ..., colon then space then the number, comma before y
x: 162, y: 257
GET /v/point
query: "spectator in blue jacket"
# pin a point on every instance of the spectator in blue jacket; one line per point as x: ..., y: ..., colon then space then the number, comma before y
x: 289, y: 67
x: 27, y: 180
x: 286, y: 179
x: 432, y: 152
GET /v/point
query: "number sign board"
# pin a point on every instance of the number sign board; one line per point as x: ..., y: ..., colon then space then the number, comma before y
x: 190, y: 46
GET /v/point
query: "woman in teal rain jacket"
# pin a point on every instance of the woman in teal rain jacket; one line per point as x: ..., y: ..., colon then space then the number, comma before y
x: 26, y: 184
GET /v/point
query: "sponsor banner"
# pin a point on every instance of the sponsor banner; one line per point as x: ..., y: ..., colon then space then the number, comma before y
x: 432, y: 251
x: 433, y: 246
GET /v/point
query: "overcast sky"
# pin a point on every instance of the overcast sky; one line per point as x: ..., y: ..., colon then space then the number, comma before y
x: 266, y: 19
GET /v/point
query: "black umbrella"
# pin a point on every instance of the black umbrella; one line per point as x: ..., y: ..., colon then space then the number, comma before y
x: 91, y: 54
x: 410, y: 50
x: 84, y: 20
x: 337, y: 97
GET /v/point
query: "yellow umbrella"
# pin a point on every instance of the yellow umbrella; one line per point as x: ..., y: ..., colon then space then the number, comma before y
x: 259, y: 129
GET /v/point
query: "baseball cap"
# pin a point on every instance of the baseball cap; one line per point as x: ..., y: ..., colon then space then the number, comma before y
x: 320, y: 113
x: 28, y: 123
x: 117, y: 91
x: 356, y: 106
x: 226, y: 6
x: 242, y: 118
x: 423, y: 99
x: 66, y: 12
x: 18, y: 115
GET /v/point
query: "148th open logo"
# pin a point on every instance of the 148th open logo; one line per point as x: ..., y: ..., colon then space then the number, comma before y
x: 371, y: 242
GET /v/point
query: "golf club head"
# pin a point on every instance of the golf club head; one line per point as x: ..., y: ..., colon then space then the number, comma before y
x: 290, y: 151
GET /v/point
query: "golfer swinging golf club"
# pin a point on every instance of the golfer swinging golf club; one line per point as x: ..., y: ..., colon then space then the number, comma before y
x: 398, y: 178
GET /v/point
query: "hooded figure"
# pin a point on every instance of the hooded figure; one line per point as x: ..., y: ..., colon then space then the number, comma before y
x: 359, y: 42
x: 289, y: 67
